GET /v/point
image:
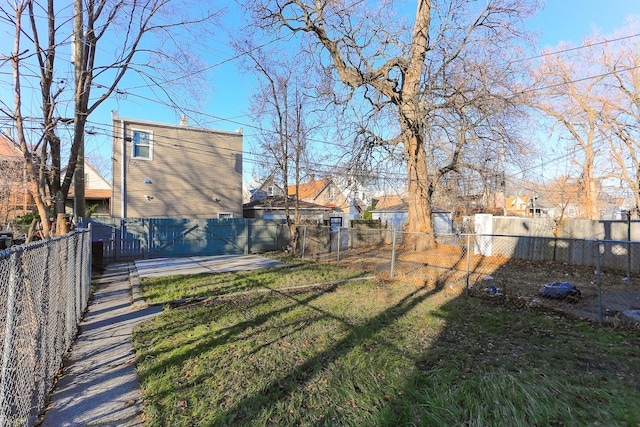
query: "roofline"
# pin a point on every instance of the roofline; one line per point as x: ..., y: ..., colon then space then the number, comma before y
x: 115, y: 117
x: 13, y: 146
x: 320, y: 208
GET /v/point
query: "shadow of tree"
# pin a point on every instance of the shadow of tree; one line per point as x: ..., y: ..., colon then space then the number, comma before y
x: 480, y: 362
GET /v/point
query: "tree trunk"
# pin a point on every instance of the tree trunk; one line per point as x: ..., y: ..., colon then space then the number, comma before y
x: 420, y: 215
x: 32, y: 173
x: 34, y: 188
x: 590, y: 187
x: 420, y: 188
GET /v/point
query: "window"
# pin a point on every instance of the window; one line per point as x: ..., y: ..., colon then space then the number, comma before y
x: 331, y: 193
x: 222, y: 215
x: 270, y: 190
x: 142, y: 145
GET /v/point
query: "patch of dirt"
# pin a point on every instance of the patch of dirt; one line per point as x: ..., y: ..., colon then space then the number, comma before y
x: 517, y: 282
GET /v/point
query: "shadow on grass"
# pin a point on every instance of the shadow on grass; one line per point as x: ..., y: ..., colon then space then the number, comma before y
x: 490, y: 364
x: 205, y: 285
x: 297, y: 378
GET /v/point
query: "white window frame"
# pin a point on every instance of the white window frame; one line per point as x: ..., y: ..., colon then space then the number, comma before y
x: 133, y: 144
x: 332, y: 193
x: 225, y: 215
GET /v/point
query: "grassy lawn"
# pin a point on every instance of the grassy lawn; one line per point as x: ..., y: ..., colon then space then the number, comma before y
x: 296, y: 272
x: 377, y: 354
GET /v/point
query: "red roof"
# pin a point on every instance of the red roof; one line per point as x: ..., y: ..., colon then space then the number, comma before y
x: 8, y: 149
x: 309, y: 190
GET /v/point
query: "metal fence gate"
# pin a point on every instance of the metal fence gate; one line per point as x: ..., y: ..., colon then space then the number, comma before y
x: 136, y: 238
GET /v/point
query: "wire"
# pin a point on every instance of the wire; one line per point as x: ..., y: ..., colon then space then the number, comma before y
x: 572, y: 49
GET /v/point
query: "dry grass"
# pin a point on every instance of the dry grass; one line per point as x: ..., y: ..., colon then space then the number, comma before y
x: 383, y: 353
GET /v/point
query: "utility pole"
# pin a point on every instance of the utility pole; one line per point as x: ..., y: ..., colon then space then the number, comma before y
x: 78, y: 52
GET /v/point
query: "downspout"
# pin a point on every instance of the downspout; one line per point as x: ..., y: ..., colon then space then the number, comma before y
x: 123, y: 172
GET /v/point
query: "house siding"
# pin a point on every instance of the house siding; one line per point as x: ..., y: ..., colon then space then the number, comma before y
x: 193, y: 173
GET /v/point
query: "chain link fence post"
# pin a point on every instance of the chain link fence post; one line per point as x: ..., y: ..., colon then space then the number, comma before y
x: 599, y: 249
x: 393, y: 253
x: 304, y: 239
x: 468, y: 262
x: 629, y: 246
x: 7, y: 345
x: 339, y: 245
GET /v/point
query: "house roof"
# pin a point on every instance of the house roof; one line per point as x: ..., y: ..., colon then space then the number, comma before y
x: 8, y: 149
x: 388, y: 201
x: 309, y: 190
x: 182, y: 125
x: 404, y: 207
x: 277, y: 202
x: 91, y: 194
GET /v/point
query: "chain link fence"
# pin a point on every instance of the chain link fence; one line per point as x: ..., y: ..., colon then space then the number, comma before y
x: 513, y: 268
x: 44, y: 290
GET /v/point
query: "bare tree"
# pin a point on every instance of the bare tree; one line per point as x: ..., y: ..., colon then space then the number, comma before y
x: 150, y: 38
x: 562, y: 193
x: 423, y: 75
x: 34, y: 185
x: 574, y: 104
x: 283, y: 110
x: 620, y: 111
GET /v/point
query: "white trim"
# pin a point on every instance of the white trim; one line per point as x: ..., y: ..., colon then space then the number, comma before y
x: 133, y: 146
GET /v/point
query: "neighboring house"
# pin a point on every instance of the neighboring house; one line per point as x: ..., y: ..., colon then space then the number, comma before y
x: 471, y: 204
x: 97, y: 192
x: 395, y: 217
x: 272, y: 207
x: 266, y: 188
x: 15, y: 198
x: 382, y: 202
x: 168, y: 171
x: 528, y: 206
x: 322, y: 192
x: 619, y: 209
x: 518, y: 206
x: 571, y: 211
x: 359, y: 196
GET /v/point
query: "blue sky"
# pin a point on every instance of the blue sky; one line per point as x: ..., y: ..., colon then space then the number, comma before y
x: 230, y: 91
x: 571, y: 20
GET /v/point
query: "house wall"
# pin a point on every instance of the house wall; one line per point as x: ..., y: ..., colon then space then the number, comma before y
x: 442, y: 221
x: 94, y: 181
x: 338, y: 199
x: 193, y: 173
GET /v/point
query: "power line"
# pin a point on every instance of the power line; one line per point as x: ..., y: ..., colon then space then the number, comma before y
x: 572, y: 49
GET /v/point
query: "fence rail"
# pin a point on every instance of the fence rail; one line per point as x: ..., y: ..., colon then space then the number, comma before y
x: 516, y: 265
x: 44, y: 290
x: 328, y: 243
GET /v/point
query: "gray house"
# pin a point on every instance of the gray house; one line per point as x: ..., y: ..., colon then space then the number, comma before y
x: 396, y: 216
x: 272, y: 207
x: 168, y: 171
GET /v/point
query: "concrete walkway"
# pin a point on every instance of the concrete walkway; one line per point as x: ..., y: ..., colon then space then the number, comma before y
x: 99, y: 385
